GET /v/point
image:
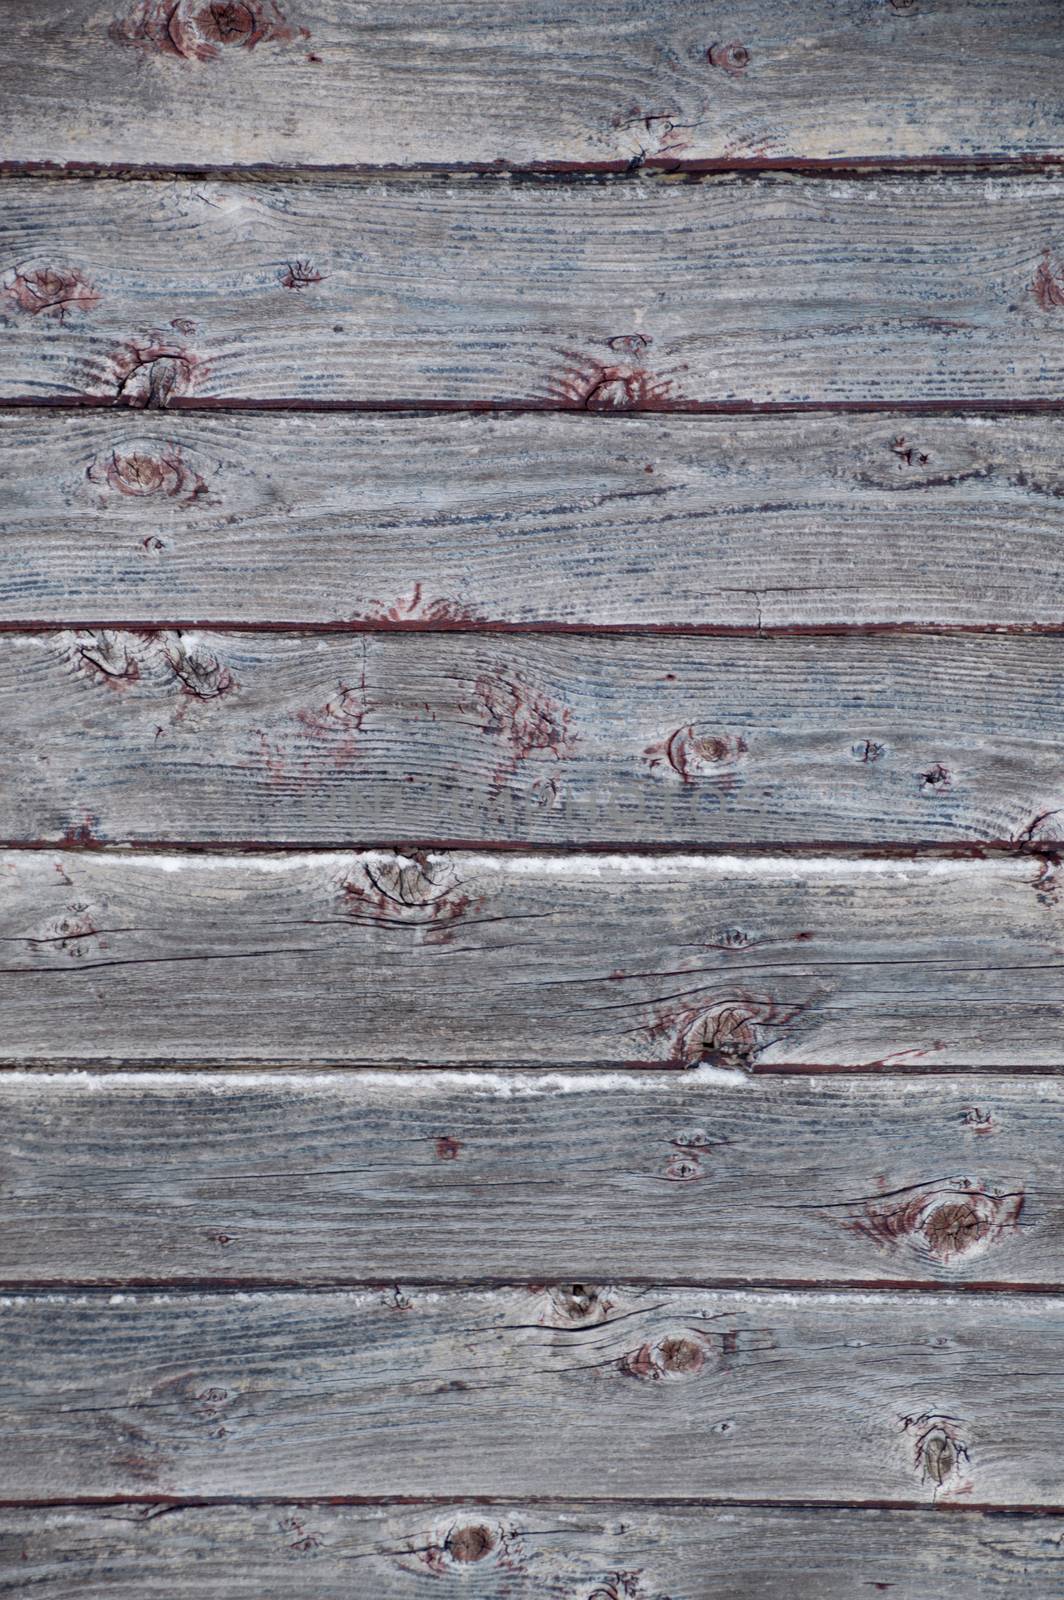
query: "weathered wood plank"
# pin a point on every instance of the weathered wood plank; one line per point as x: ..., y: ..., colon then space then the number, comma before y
x: 444, y: 1176
x: 383, y: 958
x: 335, y: 81
x: 607, y: 1551
x: 671, y: 1393
x: 610, y: 295
x: 708, y: 521
x: 212, y: 737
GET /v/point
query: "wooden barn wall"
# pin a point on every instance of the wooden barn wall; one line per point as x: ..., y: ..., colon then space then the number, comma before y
x: 532, y: 666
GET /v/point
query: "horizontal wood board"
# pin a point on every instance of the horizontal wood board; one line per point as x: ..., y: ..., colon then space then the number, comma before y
x: 611, y: 295
x: 530, y: 959
x: 451, y: 1176
x: 262, y: 737
x: 577, y: 520
x: 311, y: 81
x: 909, y: 1399
x: 608, y: 1551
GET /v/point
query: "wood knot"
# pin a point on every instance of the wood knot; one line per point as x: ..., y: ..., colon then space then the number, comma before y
x: 1046, y: 828
x: 419, y: 890
x: 632, y: 344
x: 941, y: 1223
x: 589, y: 385
x: 868, y: 752
x: 693, y: 755
x: 938, y: 1449
x: 936, y: 780
x: 195, y: 31
x: 447, y: 1148
x: 143, y: 471
x: 724, y: 1033
x: 298, y: 1537
x: 576, y: 1304
x: 300, y: 275
x: 472, y: 1542
x: 466, y: 1543
x: 199, y: 671
x: 907, y: 452
x: 106, y: 658
x: 733, y: 58
x: 150, y: 373
x: 51, y: 291
x: 674, y: 1356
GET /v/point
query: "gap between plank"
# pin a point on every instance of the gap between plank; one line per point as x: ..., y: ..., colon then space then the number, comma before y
x: 99, y: 1288
x: 694, y: 1502
x: 523, y: 406
x: 661, y: 167
x: 800, y: 850
x: 586, y: 630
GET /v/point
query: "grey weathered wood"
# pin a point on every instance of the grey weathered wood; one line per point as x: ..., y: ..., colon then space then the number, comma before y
x: 605, y: 81
x: 617, y: 1550
x: 221, y: 737
x: 447, y: 1176
x: 660, y: 1391
x: 607, y: 295
x: 530, y: 959
x: 578, y: 519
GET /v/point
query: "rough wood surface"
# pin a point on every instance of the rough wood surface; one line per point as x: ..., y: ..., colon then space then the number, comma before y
x: 334, y: 81
x: 645, y: 520
x: 213, y: 737
x: 601, y: 1550
x: 530, y: 958
x: 628, y: 293
x: 671, y: 1393
x: 447, y: 1176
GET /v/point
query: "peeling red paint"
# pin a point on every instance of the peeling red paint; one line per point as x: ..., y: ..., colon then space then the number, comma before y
x: 194, y: 31
x: 528, y: 721
x: 416, y: 608
x: 79, y: 833
x: 447, y: 1148
x: 1048, y: 285
x: 51, y: 291
x: 941, y: 1222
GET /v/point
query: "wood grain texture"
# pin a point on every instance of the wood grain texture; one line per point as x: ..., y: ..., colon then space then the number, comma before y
x: 576, y: 520
x: 197, y: 735
x: 335, y: 81
x: 672, y: 1393
x: 613, y: 295
x: 446, y: 1176
x: 530, y: 959
x: 602, y: 1550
